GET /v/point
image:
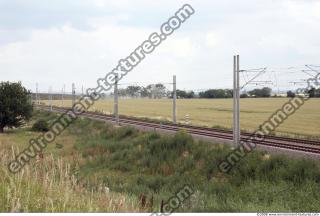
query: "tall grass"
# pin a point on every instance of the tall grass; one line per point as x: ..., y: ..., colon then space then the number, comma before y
x: 51, y: 185
x: 109, y: 170
x: 155, y: 165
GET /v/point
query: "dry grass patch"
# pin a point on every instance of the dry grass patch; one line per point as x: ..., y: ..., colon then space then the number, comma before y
x: 51, y: 185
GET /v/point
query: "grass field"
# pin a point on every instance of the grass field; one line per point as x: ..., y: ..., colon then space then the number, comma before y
x: 100, y: 168
x: 50, y: 183
x: 218, y: 112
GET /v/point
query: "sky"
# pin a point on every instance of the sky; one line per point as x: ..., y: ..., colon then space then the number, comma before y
x: 56, y: 43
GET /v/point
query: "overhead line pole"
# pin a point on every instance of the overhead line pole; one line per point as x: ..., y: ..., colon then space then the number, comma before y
x: 50, y: 98
x: 152, y: 91
x: 37, y: 94
x: 236, y: 98
x: 39, y: 97
x: 174, y: 96
x: 62, y: 95
x: 73, y: 94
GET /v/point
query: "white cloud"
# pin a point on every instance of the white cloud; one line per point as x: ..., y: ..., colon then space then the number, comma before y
x: 264, y: 33
x: 306, y: 10
x: 178, y: 47
x: 212, y: 39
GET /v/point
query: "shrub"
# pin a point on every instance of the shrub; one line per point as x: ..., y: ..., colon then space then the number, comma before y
x: 40, y: 125
x: 125, y: 132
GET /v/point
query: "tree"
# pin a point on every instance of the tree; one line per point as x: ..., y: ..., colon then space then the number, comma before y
x: 133, y: 91
x: 290, y: 94
x: 145, y: 92
x: 159, y: 90
x: 264, y: 92
x: 317, y: 94
x: 313, y: 92
x: 15, y: 105
x: 190, y: 94
x: 148, y: 91
x: 243, y: 95
x: 228, y: 93
x: 216, y: 93
x: 183, y: 94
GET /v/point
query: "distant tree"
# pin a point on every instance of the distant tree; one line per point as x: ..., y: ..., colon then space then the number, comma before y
x: 291, y: 94
x: 133, y: 91
x: 228, y: 93
x: 149, y: 90
x: 159, y: 90
x: 205, y: 94
x: 313, y: 92
x: 216, y: 93
x: 122, y: 92
x: 145, y: 92
x: 243, y: 95
x: 264, y: 92
x: 190, y: 94
x: 254, y: 92
x: 15, y: 105
x: 183, y: 94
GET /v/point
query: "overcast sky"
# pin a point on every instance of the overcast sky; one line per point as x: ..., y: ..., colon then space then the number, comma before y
x: 63, y: 41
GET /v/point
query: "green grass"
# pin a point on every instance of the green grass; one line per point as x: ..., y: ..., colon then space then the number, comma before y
x: 50, y: 183
x: 212, y: 112
x: 137, y: 163
x: 131, y: 163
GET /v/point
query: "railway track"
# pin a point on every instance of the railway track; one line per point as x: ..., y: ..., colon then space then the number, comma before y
x: 303, y: 145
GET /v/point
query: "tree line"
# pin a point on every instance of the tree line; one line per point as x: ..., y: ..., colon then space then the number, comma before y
x: 150, y: 91
x: 228, y: 93
x: 313, y: 93
x: 160, y: 91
